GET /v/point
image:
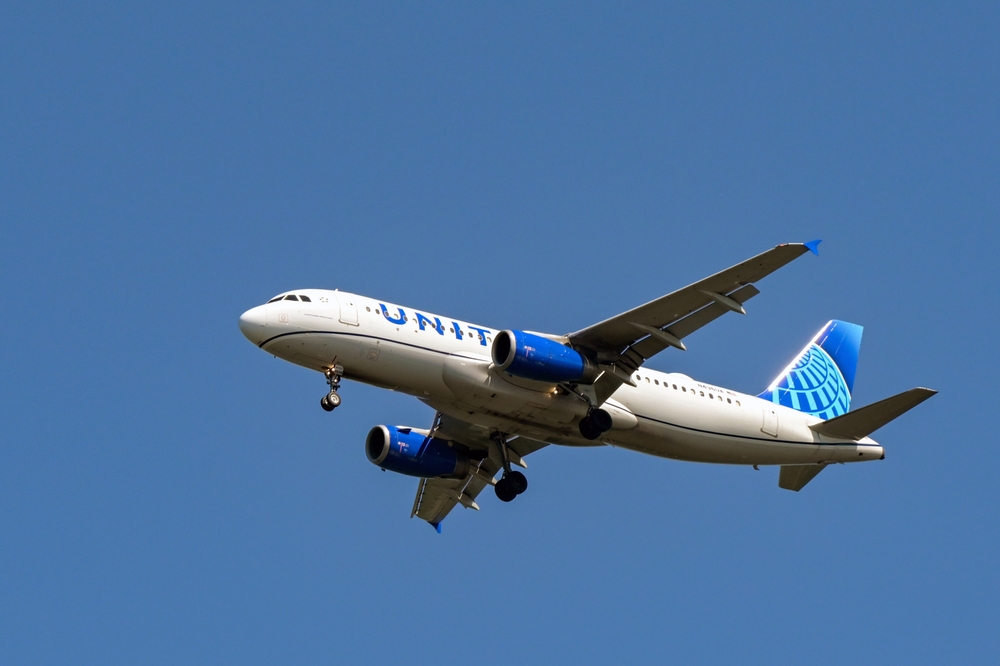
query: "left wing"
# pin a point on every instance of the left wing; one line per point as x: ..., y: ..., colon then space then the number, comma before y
x: 437, y: 497
x: 624, y: 342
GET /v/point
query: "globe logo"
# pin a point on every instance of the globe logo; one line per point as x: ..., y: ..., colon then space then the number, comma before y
x: 814, y: 385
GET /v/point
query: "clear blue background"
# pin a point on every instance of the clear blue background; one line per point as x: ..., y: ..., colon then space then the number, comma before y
x: 169, y: 494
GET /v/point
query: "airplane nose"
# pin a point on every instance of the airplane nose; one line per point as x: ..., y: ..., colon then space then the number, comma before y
x: 252, y: 323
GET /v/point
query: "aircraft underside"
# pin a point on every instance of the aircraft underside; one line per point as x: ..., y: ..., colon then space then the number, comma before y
x: 468, y: 389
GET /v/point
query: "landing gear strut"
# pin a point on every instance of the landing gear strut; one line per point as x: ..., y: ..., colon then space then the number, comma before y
x: 331, y: 400
x: 595, y: 423
x: 511, y: 484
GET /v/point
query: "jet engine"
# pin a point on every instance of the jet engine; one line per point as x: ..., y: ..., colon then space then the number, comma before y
x: 408, y: 451
x: 532, y: 356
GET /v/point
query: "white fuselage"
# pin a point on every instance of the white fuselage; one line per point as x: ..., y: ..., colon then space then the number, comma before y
x: 446, y: 363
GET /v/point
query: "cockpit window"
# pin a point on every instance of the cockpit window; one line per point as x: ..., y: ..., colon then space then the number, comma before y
x: 305, y: 298
x: 276, y: 298
x: 291, y: 297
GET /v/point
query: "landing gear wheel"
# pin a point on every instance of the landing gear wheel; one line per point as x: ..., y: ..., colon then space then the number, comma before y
x: 517, y: 482
x: 511, y: 484
x: 589, y: 429
x: 601, y: 419
x: 331, y: 400
x: 503, y: 490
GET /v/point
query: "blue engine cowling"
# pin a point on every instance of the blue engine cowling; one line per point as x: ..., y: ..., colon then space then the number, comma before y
x: 408, y: 452
x: 532, y: 356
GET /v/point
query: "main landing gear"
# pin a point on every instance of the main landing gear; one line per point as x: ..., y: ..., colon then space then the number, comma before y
x: 511, y: 484
x: 595, y: 423
x: 331, y: 400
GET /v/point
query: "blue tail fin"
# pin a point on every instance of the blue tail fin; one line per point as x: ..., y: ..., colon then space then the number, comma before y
x: 821, y: 378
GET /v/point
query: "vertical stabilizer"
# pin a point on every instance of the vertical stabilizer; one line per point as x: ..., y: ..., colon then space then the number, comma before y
x: 821, y: 378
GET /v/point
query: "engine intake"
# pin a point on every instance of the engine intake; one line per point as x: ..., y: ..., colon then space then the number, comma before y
x: 532, y: 356
x: 409, y: 452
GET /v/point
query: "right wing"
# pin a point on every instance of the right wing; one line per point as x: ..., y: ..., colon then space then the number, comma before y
x: 622, y: 343
x: 437, y: 497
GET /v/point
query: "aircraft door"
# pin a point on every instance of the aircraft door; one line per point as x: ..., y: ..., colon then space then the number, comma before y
x: 348, y: 309
x: 770, y: 424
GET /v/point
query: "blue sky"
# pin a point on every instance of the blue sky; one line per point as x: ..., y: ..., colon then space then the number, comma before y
x: 170, y: 494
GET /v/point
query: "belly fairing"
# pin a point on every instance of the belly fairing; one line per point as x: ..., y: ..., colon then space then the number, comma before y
x: 475, y: 384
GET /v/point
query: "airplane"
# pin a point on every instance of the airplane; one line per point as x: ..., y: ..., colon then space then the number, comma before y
x: 500, y: 395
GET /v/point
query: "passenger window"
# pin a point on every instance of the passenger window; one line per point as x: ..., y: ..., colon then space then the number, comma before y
x: 729, y: 400
x: 647, y: 380
x: 737, y: 403
x: 684, y: 389
x: 702, y: 393
x: 656, y: 381
x: 675, y: 387
x: 367, y: 309
x: 291, y: 297
x: 305, y: 298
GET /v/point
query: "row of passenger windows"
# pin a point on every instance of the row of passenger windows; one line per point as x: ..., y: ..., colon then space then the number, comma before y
x: 684, y: 389
x: 291, y: 297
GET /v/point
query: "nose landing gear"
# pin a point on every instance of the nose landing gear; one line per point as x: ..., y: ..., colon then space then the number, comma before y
x: 331, y: 400
x: 511, y: 484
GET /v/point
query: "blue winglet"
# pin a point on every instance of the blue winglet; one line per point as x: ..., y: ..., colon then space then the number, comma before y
x: 813, y: 246
x: 437, y: 526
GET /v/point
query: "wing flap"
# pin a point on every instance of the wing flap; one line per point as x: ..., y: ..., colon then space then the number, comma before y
x: 618, y: 332
x: 635, y: 355
x: 437, y: 497
x: 863, y: 422
x: 651, y: 346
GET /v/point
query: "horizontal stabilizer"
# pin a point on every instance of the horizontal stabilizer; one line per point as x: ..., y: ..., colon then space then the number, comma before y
x: 795, y: 477
x: 863, y: 422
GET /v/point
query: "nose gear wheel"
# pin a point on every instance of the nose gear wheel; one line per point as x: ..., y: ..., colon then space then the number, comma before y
x: 331, y: 400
